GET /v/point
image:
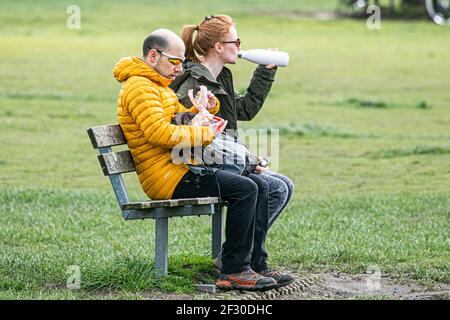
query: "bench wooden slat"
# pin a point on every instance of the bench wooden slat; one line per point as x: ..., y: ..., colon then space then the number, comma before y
x: 116, y: 162
x: 169, y: 203
x: 158, y: 213
x: 106, y: 136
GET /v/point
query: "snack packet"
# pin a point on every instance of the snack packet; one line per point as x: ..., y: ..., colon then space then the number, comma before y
x: 204, y: 118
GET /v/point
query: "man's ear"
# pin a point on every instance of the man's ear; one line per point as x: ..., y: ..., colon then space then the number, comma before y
x: 153, y: 56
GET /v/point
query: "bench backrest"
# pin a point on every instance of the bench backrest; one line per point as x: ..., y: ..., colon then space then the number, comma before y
x: 113, y: 164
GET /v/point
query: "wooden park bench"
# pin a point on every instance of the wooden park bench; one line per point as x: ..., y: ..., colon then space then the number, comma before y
x: 114, y: 164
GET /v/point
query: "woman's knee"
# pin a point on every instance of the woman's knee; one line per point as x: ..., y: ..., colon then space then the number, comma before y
x: 289, y: 184
x: 283, y: 190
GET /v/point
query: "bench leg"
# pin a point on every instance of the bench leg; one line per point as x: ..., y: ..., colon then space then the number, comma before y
x: 217, y: 231
x: 161, y: 245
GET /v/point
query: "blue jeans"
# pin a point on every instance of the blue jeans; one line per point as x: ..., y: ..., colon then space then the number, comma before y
x: 281, y: 189
x: 274, y: 193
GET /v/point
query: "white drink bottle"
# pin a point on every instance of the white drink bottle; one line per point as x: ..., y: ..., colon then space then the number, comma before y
x: 265, y: 57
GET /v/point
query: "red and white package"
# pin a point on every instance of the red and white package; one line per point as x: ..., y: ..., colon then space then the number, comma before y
x: 203, y: 117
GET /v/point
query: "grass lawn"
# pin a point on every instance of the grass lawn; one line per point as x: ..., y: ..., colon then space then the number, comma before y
x: 364, y: 133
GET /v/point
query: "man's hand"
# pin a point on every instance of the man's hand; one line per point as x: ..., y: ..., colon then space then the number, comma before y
x: 272, y: 66
x: 211, y: 101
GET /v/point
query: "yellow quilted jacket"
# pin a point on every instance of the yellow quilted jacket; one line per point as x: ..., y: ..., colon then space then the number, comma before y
x: 145, y: 107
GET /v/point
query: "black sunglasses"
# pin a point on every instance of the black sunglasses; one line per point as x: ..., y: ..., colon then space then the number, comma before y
x: 236, y: 42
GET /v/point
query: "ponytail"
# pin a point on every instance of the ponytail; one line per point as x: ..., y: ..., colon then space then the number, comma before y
x: 187, y: 35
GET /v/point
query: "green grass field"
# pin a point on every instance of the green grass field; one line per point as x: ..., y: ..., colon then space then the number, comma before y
x: 364, y: 132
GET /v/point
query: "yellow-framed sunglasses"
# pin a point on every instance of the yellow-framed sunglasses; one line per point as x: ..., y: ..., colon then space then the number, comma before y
x: 172, y: 59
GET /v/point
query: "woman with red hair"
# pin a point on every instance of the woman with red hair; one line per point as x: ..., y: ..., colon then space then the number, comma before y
x: 210, y: 45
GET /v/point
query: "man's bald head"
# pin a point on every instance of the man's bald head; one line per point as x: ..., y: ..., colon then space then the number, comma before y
x: 162, y: 40
x: 164, y: 51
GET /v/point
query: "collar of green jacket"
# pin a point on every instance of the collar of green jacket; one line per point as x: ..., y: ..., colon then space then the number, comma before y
x: 201, y: 73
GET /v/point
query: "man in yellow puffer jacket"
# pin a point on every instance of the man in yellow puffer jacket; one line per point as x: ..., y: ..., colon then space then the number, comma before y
x: 145, y: 108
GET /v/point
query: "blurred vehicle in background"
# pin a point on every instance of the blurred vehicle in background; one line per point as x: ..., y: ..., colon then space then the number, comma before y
x: 437, y: 10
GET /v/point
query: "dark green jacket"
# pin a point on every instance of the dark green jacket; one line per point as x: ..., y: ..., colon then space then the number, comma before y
x: 233, y: 105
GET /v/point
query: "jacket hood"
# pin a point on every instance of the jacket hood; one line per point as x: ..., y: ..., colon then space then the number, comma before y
x: 133, y: 66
